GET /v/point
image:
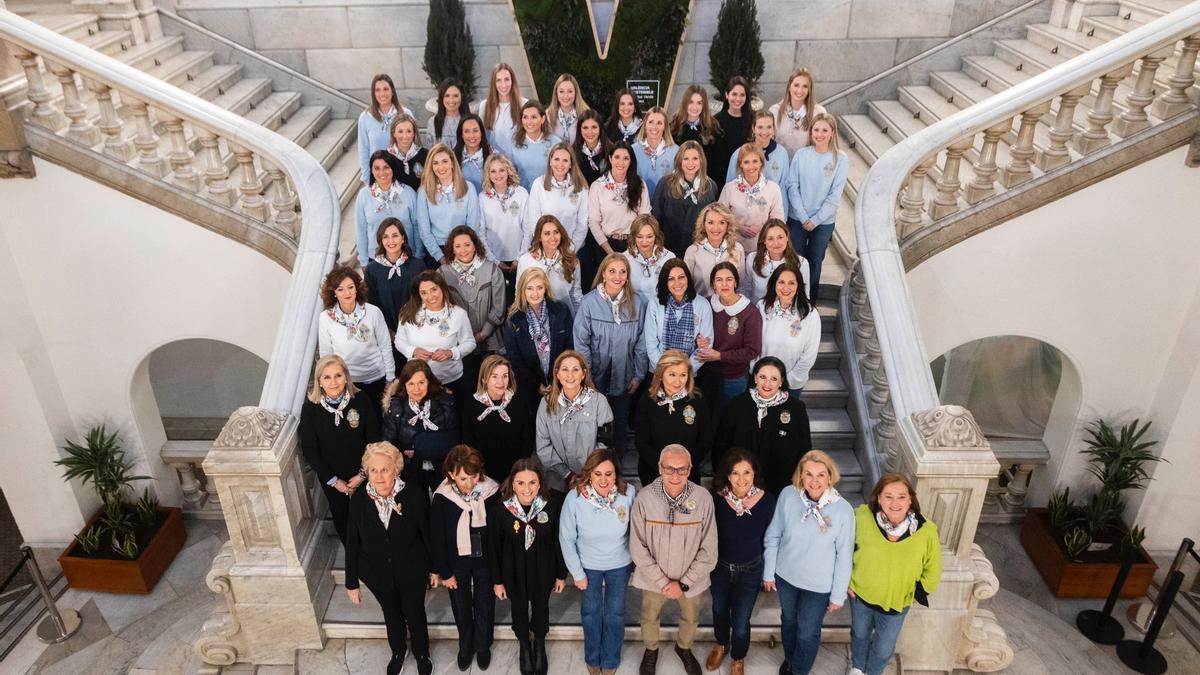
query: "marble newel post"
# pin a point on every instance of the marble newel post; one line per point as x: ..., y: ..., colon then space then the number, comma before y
x: 947, y: 455
x: 274, y: 571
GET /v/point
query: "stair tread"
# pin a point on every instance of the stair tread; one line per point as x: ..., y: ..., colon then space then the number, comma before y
x: 1116, y: 22
x: 244, y: 93
x: 345, y: 176
x: 1039, y: 55
x: 178, y: 64
x: 824, y: 380
x: 1075, y: 41
x: 333, y: 140
x: 868, y: 134
x: 104, y: 38
x: 928, y: 100
x: 277, y: 104
x: 211, y: 76
x: 62, y: 22
x: 165, y: 43
x: 900, y: 119
x: 304, y: 123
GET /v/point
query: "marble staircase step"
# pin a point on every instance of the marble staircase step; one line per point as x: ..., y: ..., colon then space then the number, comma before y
x: 828, y: 355
x: 1108, y: 27
x: 111, y: 42
x: 345, y: 176
x: 1149, y: 10
x: 334, y: 139
x: 865, y: 137
x: 215, y: 81
x: 244, y: 95
x: 825, y: 389
x: 1069, y: 43
x: 275, y: 109
x: 151, y: 54
x: 74, y: 26
x: 182, y: 67
x: 303, y: 125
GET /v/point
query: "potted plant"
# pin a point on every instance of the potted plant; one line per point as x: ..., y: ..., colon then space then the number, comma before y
x: 449, y: 49
x: 1078, y: 547
x: 736, y: 50
x: 127, y: 545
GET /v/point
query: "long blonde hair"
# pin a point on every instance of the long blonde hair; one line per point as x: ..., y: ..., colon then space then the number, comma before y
x: 833, y: 126
x: 628, y: 303
x: 785, y: 103
x: 492, y: 104
x: 553, y: 110
x: 670, y: 359
x: 724, y: 213
x: 429, y: 182
x: 556, y: 388
x: 578, y: 182
x: 315, y: 392
x: 514, y: 178
x: 674, y: 187
x: 520, y: 304
x: 667, y: 137
x: 566, y: 249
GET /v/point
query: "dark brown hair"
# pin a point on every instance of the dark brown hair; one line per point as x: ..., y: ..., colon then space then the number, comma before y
x: 469, y: 232
x: 463, y: 457
x: 408, y: 313
x: 374, y: 107
x: 408, y: 372
x: 385, y: 224
x: 729, y: 460
x: 789, y: 253
x: 886, y: 480
x: 525, y: 464
x: 335, y: 278
x: 594, y: 460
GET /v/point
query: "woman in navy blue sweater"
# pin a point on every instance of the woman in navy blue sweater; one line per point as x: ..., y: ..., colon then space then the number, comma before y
x: 537, y: 331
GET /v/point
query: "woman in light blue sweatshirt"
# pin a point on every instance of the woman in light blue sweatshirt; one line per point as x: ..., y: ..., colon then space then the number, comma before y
x: 815, y: 183
x: 375, y: 123
x: 807, y: 554
x: 594, y: 533
x: 446, y: 200
x: 532, y: 143
x: 383, y: 198
x: 655, y: 150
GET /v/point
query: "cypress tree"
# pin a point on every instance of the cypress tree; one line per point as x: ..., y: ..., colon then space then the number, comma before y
x: 737, y: 47
x: 449, y: 49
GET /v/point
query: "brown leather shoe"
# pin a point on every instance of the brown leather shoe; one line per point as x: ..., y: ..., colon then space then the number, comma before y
x: 715, y: 657
x: 737, y: 668
x: 649, y: 662
x: 690, y: 665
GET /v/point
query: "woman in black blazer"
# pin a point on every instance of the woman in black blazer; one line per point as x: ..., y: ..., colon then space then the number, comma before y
x: 387, y: 547
x: 419, y: 418
x: 335, y: 427
x: 768, y: 422
x: 537, y: 331
x: 526, y: 562
x: 672, y: 411
x: 498, y: 419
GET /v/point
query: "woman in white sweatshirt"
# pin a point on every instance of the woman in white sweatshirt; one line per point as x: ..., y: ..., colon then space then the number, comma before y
x: 791, y: 326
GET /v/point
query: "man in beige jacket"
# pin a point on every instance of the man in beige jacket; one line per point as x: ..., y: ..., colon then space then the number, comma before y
x: 673, y: 543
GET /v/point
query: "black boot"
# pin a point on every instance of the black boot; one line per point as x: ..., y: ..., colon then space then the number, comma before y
x: 526, y: 656
x: 424, y: 666
x: 395, y: 665
x: 541, y: 664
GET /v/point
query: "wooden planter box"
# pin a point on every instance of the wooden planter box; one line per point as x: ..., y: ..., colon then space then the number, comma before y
x: 127, y: 576
x: 1070, y: 579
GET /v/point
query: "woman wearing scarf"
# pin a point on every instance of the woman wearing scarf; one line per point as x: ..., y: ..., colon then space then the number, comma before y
x: 568, y: 420
x: 591, y: 146
x: 615, y: 200
x: 498, y: 419
x: 532, y: 143
x: 471, y: 147
x: 459, y: 531
x: 355, y: 330
x: 679, y: 197
x: 791, y: 326
x: 655, y: 150
x: 526, y: 560
x: 594, y: 533
x: 714, y: 241
x: 737, y: 339
x: 807, y: 555
x: 434, y: 328
x: 752, y: 197
x: 560, y: 191
x: 743, y: 510
x: 501, y: 207
x: 335, y: 427
x: 390, y: 275
x: 694, y: 121
x: 897, y: 560
x: 774, y: 250
x: 624, y: 118
x: 678, y: 318
x: 389, y: 521
x: 768, y: 422
x: 646, y: 255
x: 479, y: 283
x: 375, y: 123
x: 444, y: 201
x: 566, y: 107
x: 537, y: 332
x: 406, y: 147
x: 552, y: 252
x: 419, y: 418
x: 672, y: 412
x: 384, y: 197
x: 608, y: 334
x: 775, y: 155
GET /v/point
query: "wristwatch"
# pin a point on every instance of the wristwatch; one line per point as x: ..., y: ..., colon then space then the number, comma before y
x: 684, y: 587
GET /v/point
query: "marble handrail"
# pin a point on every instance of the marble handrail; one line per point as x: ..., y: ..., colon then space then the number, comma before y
x: 883, y: 206
x: 239, y: 165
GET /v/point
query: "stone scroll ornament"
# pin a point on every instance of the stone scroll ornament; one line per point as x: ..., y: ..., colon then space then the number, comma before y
x: 640, y: 43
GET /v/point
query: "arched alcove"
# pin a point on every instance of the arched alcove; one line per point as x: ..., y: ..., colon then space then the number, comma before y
x: 198, y: 383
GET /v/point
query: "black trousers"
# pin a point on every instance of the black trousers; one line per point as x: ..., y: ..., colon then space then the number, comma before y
x: 374, y: 393
x: 530, y: 614
x: 474, y: 607
x: 404, y: 614
x: 339, y: 510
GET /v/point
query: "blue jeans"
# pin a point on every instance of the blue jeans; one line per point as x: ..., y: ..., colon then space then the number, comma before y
x: 811, y: 245
x: 602, y: 610
x: 871, y: 653
x: 802, y: 613
x: 732, y: 387
x: 734, y: 592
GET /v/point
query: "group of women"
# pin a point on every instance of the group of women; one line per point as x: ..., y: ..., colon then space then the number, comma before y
x: 538, y: 277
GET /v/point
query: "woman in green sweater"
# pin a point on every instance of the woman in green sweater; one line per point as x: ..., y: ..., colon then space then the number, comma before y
x: 897, y: 559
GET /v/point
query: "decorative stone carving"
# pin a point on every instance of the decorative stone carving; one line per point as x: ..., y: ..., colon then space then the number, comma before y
x: 986, y: 584
x: 216, y: 645
x: 949, y: 426
x: 16, y: 164
x: 986, y: 649
x: 250, y: 427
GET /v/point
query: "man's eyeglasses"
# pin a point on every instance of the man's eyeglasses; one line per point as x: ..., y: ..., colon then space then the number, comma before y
x: 676, y: 470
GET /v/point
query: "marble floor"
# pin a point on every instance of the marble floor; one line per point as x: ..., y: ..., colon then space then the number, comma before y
x: 152, y: 635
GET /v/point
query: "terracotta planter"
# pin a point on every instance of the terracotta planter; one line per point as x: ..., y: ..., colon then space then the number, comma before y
x: 127, y: 576
x: 1072, y: 579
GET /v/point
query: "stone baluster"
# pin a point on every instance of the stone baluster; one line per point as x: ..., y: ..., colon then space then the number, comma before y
x: 912, y: 201
x: 210, y: 489
x: 181, y: 157
x: 858, y: 293
x: 283, y: 200
x: 116, y: 145
x: 1134, y: 119
x: 81, y: 130
x: 886, y: 444
x: 189, y: 483
x: 44, y: 113
x: 878, y: 398
x: 1096, y: 135
x: 872, y: 360
x: 984, y: 183
x: 1018, y: 170
x: 1176, y: 101
x: 1057, y: 153
x: 147, y: 141
x: 251, y: 187
x: 1013, y: 498
x: 216, y: 174
x: 945, y: 201
x: 148, y: 14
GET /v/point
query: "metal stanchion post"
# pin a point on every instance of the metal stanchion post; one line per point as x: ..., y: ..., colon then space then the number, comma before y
x: 1141, y: 656
x: 1140, y: 614
x: 58, y: 624
x: 1100, y: 627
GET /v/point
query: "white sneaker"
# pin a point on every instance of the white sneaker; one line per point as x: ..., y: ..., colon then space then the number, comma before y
x: 854, y: 671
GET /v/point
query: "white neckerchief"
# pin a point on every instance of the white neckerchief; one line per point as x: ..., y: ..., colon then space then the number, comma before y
x: 355, y: 328
x: 655, y: 153
x: 527, y: 516
x: 909, y: 524
x: 466, y: 274
x: 388, y: 505
x: 388, y: 118
x: 692, y: 190
x: 600, y: 502
x: 473, y: 158
x: 338, y: 412
x: 813, y: 509
x: 405, y: 157
x: 796, y: 116
x: 764, y: 404
x: 566, y: 120
x: 562, y: 187
x: 429, y: 318
x: 447, y: 191
x: 571, y: 407
x: 614, y: 302
x: 393, y: 268
x: 717, y: 253
x: 739, y: 505
x: 751, y: 191
x: 552, y: 263
x: 627, y: 131
x: 384, y: 199
x: 777, y: 309
x: 421, y: 415
x: 662, y: 399
x: 486, y: 400
x: 649, y: 265
x: 502, y: 197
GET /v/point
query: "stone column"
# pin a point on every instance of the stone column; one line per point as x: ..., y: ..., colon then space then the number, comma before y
x: 944, y: 451
x: 274, y: 572
x: 15, y: 159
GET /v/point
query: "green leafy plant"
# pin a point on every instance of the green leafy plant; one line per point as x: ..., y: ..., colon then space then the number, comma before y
x: 101, y: 462
x: 126, y: 547
x: 147, y: 509
x: 1077, y: 540
x: 89, y: 540
x: 1133, y: 538
x: 449, y: 48
x: 1060, y: 511
x: 736, y: 47
x: 1102, y: 511
x: 117, y: 521
x: 1120, y: 460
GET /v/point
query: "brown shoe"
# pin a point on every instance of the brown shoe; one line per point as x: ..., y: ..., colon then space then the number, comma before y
x: 737, y: 668
x: 592, y: 670
x: 690, y: 665
x: 649, y: 662
x: 715, y: 657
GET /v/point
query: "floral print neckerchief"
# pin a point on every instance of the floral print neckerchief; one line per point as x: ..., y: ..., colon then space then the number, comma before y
x: 535, y: 512
x: 355, y: 329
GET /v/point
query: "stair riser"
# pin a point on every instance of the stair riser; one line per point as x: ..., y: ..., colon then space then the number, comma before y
x: 760, y: 634
x: 156, y: 55
x: 213, y: 89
